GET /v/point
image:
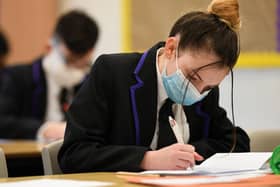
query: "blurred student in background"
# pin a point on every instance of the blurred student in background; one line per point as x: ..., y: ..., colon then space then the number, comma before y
x: 35, y: 97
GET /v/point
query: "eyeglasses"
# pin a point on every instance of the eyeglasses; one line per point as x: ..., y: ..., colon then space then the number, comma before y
x: 194, y: 76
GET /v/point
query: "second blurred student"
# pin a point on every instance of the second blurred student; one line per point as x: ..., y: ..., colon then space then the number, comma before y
x: 34, y: 98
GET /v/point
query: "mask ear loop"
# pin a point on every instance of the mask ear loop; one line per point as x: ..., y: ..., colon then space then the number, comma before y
x: 234, y: 133
x: 186, y: 90
x: 183, y: 83
x: 176, y: 58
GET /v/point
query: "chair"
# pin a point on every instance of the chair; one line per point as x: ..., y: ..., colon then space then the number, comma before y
x: 3, y: 165
x: 264, y: 140
x: 49, y: 156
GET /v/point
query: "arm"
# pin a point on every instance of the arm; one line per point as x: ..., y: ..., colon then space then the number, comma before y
x: 87, y: 143
x: 220, y: 137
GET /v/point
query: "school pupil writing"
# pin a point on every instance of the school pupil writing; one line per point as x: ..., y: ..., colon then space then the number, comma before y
x: 119, y: 119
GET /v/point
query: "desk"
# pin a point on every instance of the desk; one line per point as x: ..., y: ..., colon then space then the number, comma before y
x: 23, y: 157
x: 119, y: 182
x: 106, y: 177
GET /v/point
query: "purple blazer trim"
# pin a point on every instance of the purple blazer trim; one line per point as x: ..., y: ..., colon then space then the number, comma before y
x: 133, y: 88
x: 38, y: 88
x: 206, y: 118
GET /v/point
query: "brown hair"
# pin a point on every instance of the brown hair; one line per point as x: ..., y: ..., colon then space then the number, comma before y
x: 216, y: 30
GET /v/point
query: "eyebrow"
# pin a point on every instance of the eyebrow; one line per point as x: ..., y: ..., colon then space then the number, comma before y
x: 207, y: 65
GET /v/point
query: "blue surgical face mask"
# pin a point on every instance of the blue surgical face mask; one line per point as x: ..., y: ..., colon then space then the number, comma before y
x: 179, y: 89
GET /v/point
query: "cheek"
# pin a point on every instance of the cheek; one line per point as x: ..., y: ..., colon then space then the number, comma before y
x: 217, y: 79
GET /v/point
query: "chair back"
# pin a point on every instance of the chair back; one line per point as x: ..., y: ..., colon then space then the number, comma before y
x: 49, y: 157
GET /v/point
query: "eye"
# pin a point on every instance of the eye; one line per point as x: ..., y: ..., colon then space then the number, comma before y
x: 194, y: 76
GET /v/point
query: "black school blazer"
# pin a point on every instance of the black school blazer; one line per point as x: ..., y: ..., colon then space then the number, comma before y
x: 112, y: 120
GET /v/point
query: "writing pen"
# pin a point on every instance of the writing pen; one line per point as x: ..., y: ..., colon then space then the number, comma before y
x: 176, y: 131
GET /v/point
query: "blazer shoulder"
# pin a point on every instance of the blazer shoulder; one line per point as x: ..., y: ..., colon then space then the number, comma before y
x: 18, y: 70
x: 19, y: 74
x: 118, y: 60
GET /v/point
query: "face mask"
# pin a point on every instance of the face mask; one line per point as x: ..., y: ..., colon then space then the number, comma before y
x: 179, y: 89
x: 65, y: 76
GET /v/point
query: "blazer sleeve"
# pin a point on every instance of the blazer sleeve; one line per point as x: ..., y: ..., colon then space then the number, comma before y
x: 12, y: 124
x: 86, y: 146
x: 220, y: 137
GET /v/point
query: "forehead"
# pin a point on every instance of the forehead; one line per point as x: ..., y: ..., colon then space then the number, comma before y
x: 196, y: 58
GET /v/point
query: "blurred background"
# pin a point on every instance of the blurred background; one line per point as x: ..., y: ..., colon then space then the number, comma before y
x: 136, y: 25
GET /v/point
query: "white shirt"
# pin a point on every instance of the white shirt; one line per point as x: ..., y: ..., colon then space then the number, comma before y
x: 177, y: 110
x: 53, y: 110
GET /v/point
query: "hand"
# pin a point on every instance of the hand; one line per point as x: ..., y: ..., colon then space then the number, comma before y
x: 174, y: 157
x: 53, y: 131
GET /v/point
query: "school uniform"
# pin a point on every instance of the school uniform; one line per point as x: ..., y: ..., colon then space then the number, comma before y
x: 24, y: 100
x: 112, y: 121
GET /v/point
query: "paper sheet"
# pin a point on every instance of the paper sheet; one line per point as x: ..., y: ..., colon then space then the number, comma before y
x: 54, y: 182
x: 223, y: 164
x: 234, y: 162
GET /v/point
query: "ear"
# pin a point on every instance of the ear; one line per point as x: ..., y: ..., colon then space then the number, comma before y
x: 171, y: 44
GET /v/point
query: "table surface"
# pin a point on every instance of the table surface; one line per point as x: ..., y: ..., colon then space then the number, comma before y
x: 21, y: 148
x: 119, y: 181
x: 105, y: 177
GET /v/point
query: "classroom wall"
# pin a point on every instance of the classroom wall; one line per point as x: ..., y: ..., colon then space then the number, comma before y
x: 28, y: 25
x: 256, y: 98
x: 258, y: 31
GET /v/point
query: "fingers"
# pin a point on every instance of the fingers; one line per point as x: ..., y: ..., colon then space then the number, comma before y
x: 185, y: 147
x: 176, y: 157
x: 187, y: 153
x: 186, y: 157
x: 198, y: 157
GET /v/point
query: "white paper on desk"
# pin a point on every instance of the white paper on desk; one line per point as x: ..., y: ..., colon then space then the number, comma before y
x: 54, y: 182
x: 234, y: 162
x: 223, y: 164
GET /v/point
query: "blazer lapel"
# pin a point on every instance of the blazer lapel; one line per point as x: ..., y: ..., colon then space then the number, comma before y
x: 144, y: 97
x: 198, y: 119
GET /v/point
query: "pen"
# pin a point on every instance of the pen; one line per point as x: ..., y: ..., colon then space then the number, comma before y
x: 175, y: 129
x: 177, y: 133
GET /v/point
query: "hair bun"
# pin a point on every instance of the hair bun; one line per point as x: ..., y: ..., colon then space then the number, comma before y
x: 227, y: 11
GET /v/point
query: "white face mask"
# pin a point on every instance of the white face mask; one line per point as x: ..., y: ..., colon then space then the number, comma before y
x: 65, y: 76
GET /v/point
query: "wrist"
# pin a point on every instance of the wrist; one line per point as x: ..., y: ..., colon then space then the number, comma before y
x: 146, y: 163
